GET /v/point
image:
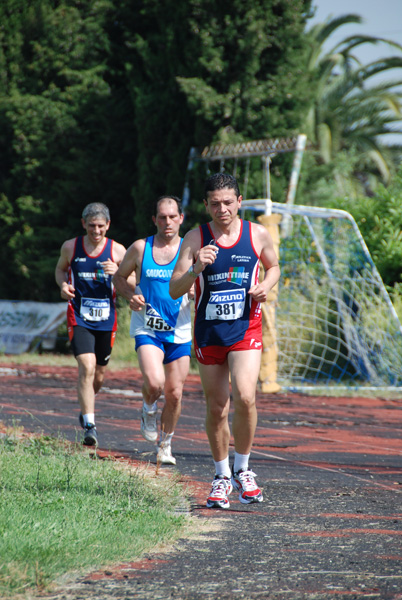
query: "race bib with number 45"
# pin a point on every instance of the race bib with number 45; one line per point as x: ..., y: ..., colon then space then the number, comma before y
x: 153, y: 320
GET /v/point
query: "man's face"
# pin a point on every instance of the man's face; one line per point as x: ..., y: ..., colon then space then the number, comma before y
x: 223, y: 205
x: 168, y: 219
x: 96, y: 228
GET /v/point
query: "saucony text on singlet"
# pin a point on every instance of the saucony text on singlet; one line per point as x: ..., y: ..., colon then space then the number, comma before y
x: 162, y: 317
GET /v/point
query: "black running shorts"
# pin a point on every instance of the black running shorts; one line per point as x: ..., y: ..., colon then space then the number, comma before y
x: 88, y: 341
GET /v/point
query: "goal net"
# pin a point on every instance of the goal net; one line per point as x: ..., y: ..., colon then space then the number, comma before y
x: 332, y: 321
x: 335, y: 322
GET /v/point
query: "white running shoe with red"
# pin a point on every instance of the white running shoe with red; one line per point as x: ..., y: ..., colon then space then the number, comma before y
x: 221, y: 488
x: 244, y: 482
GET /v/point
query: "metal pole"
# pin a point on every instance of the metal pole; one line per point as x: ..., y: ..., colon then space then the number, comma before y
x: 268, y: 200
x: 186, y: 191
x: 294, y: 178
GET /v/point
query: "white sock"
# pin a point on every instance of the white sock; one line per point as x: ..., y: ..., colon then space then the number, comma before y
x: 89, y: 419
x: 166, y: 438
x: 222, y: 467
x: 150, y: 407
x: 240, y: 462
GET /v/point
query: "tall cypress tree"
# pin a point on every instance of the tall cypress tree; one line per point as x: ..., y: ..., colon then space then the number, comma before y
x: 201, y: 71
x: 103, y: 100
x: 59, y: 123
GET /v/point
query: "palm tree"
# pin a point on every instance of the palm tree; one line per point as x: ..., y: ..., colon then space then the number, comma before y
x: 349, y: 112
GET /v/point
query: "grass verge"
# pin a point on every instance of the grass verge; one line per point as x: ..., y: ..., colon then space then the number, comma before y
x: 64, y: 510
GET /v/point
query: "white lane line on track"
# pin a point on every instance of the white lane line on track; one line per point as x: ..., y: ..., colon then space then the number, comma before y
x: 305, y: 435
x: 300, y: 434
x: 325, y: 438
x: 130, y: 393
x: 306, y: 463
x: 338, y: 471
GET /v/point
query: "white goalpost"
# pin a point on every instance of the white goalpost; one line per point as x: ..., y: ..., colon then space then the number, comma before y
x: 330, y: 322
x: 335, y: 322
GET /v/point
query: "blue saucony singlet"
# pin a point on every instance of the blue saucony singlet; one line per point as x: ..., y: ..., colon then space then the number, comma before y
x: 224, y: 310
x: 94, y: 304
x: 162, y: 317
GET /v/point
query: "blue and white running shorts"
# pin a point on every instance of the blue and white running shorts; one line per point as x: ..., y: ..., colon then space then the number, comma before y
x: 172, y: 351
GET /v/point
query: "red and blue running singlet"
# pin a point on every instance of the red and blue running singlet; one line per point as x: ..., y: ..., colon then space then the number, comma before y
x: 223, y: 309
x: 94, y: 304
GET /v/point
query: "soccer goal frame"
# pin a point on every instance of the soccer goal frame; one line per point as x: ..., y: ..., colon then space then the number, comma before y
x: 335, y: 321
x: 330, y: 321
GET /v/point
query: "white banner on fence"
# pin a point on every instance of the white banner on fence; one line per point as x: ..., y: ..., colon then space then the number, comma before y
x: 22, y: 322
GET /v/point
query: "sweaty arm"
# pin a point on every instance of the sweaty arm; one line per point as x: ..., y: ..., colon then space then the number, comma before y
x: 269, y: 261
x: 126, y: 276
x: 191, y: 255
x: 67, y: 290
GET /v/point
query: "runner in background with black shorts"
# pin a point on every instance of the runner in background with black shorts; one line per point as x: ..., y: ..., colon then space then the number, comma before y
x: 84, y: 274
x: 222, y: 259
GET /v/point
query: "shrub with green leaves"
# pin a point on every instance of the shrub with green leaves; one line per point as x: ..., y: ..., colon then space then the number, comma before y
x: 379, y: 219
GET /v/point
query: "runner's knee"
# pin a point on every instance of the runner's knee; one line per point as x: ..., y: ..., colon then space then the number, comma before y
x: 217, y: 411
x: 173, y: 393
x: 245, y: 403
x: 87, y: 370
x: 153, y: 388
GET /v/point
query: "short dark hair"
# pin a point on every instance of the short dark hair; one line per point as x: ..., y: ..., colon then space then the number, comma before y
x: 219, y: 181
x: 168, y: 197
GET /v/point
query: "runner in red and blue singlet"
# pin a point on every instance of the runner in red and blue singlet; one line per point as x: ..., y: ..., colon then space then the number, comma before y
x: 84, y: 274
x: 227, y: 317
x: 94, y: 303
x: 222, y: 259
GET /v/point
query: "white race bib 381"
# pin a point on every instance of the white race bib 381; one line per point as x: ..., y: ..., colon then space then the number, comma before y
x: 226, y: 306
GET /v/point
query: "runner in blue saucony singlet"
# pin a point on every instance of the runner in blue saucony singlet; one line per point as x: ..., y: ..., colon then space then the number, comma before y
x: 166, y: 322
x: 222, y: 259
x: 84, y: 274
x: 160, y: 325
